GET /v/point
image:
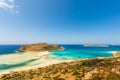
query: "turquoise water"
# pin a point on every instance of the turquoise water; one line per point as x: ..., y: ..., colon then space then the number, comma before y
x: 79, y: 51
x: 70, y: 52
x: 9, y: 60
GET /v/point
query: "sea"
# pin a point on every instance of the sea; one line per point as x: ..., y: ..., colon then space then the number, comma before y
x: 71, y: 51
x: 10, y: 60
x: 80, y: 51
x: 8, y: 49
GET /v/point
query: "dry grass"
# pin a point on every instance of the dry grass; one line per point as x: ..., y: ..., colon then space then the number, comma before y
x: 91, y: 69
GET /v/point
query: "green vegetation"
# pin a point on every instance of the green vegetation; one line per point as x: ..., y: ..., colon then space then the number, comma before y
x: 113, y: 76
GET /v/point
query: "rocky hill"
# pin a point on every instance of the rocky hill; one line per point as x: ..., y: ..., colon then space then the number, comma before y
x: 40, y: 47
x: 90, y: 69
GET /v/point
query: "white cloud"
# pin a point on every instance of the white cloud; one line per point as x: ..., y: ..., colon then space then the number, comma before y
x: 7, y: 4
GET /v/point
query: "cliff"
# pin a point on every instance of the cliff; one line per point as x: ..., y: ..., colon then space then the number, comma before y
x: 40, y: 47
x: 91, y: 69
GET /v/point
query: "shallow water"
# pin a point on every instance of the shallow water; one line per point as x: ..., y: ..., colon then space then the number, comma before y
x: 79, y: 51
x: 15, y: 60
x: 21, y: 60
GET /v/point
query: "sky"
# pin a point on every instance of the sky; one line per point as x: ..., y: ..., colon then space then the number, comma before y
x: 60, y: 21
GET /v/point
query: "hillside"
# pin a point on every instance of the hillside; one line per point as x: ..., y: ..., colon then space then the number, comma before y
x: 90, y: 69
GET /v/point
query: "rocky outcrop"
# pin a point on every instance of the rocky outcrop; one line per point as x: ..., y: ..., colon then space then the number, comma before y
x: 116, y: 54
x: 40, y: 47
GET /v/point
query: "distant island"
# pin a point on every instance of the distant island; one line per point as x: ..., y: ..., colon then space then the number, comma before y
x: 40, y: 47
x: 96, y: 45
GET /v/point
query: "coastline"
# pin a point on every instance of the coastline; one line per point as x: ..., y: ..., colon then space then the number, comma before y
x: 36, y: 55
x: 116, y: 54
x: 88, y: 69
x: 45, y: 61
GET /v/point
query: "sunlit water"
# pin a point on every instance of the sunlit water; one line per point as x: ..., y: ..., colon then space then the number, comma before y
x: 10, y: 60
x: 80, y: 51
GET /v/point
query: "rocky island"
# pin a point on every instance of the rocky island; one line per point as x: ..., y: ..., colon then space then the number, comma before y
x: 96, y: 45
x: 40, y: 47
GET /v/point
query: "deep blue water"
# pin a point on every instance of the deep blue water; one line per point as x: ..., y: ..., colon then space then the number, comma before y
x: 70, y: 52
x: 8, y: 49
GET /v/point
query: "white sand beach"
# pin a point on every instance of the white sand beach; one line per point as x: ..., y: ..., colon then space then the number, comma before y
x: 26, y: 61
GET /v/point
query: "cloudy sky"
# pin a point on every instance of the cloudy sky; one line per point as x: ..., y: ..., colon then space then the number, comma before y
x: 60, y: 21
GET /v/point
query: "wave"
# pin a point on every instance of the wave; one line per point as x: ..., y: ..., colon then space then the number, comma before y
x: 111, y: 51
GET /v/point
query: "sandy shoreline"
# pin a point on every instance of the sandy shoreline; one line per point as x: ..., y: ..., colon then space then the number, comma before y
x: 36, y: 55
x: 41, y: 56
x: 38, y: 66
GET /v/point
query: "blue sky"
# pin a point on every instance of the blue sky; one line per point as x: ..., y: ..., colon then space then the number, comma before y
x: 60, y: 21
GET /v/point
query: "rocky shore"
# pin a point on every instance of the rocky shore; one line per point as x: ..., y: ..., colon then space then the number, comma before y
x: 116, y: 54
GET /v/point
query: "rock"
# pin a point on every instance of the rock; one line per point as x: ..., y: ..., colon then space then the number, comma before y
x: 40, y: 47
x: 116, y: 54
